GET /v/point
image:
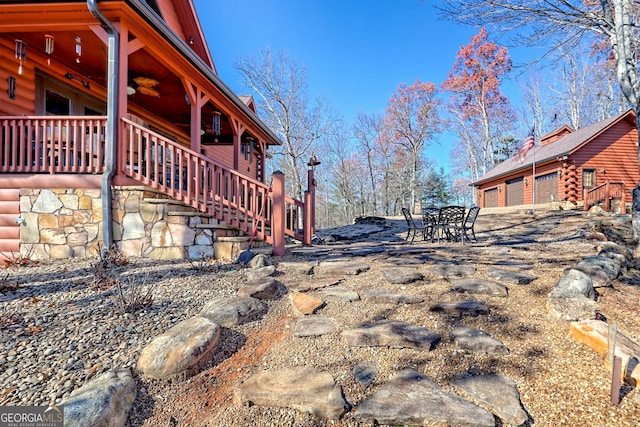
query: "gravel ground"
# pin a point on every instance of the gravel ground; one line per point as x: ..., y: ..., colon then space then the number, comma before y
x: 62, y: 325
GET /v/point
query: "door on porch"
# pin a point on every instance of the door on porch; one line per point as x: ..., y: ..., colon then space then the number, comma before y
x: 589, y: 180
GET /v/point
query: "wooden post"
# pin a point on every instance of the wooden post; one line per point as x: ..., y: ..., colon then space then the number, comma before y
x: 616, y: 380
x: 309, y: 215
x: 307, y: 234
x: 611, y: 342
x: 607, y: 197
x: 615, y: 362
x: 623, y: 202
x: 278, y: 212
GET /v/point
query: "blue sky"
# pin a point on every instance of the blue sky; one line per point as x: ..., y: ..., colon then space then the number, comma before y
x: 356, y: 52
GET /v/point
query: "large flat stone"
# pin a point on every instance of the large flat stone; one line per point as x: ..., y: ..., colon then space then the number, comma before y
x: 411, y: 398
x: 313, y: 326
x: 391, y: 333
x: 180, y: 349
x: 472, y: 308
x: 447, y: 271
x: 387, y: 296
x: 571, y: 309
x: 497, y: 393
x: 341, y: 267
x: 300, y: 267
x: 302, y: 388
x: 313, y: 284
x: 342, y: 294
x: 513, y: 277
x: 479, y: 286
x: 265, y: 288
x: 474, y: 340
x: 233, y: 311
x: 104, y: 401
x: 401, y: 275
x: 365, y: 373
x: 304, y: 304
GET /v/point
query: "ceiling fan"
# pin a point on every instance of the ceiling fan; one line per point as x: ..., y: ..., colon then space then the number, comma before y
x: 144, y: 85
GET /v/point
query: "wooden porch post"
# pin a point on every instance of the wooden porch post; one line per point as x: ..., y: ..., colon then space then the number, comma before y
x: 279, y: 213
x: 623, y: 202
x: 238, y: 130
x: 309, y: 208
x: 607, y: 197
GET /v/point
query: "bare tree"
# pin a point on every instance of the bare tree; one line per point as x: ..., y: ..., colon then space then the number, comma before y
x: 281, y: 88
x: 367, y: 129
x: 470, y: 152
x: 413, y: 119
x: 538, y: 110
x: 474, y: 83
x: 342, y: 173
x: 563, y: 24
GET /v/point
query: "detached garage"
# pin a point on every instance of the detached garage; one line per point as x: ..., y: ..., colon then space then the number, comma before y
x: 566, y: 162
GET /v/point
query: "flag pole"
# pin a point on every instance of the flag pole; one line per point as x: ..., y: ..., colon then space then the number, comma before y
x: 533, y: 178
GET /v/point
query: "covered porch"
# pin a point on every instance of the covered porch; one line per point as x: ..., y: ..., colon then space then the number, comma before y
x: 121, y: 90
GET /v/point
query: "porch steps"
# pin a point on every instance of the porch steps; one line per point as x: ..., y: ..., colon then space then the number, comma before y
x: 189, y: 214
x: 229, y: 239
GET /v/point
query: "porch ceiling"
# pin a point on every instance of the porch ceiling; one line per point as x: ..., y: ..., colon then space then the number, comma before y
x: 151, y: 58
x: 92, y: 67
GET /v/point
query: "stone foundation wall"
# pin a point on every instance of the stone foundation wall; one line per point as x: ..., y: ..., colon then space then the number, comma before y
x: 66, y: 223
x: 60, y: 223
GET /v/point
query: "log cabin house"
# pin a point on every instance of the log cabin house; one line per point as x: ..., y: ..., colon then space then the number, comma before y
x: 115, y: 130
x: 597, y: 164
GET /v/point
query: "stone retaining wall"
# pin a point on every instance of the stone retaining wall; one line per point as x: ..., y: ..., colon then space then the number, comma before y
x: 66, y: 223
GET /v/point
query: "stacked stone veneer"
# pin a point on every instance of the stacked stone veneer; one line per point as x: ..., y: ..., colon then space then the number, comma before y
x: 60, y: 223
x: 65, y: 223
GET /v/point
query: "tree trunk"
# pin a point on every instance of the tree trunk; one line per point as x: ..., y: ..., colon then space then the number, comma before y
x: 624, y: 53
x: 635, y: 217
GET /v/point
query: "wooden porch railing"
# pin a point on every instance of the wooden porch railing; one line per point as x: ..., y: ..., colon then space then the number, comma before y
x: 605, y: 193
x: 52, y: 144
x: 209, y: 186
x: 77, y: 145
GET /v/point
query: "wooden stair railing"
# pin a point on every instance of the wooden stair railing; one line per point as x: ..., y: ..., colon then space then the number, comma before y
x: 209, y: 186
x: 605, y: 193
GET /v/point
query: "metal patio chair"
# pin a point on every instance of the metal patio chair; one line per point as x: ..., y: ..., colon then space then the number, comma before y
x: 470, y: 222
x: 412, y: 226
x: 450, y: 223
x: 429, y: 219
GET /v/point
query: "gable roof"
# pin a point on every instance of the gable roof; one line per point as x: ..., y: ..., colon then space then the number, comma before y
x: 555, y: 135
x: 249, y: 102
x: 562, y: 147
x: 181, y: 17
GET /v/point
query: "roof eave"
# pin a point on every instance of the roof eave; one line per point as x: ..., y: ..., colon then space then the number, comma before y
x: 524, y: 166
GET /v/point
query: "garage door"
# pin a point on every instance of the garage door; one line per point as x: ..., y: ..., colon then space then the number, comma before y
x: 491, y: 198
x: 547, y: 188
x: 515, y: 192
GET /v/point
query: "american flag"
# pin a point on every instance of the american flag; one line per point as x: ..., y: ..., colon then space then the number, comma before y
x: 528, y: 144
